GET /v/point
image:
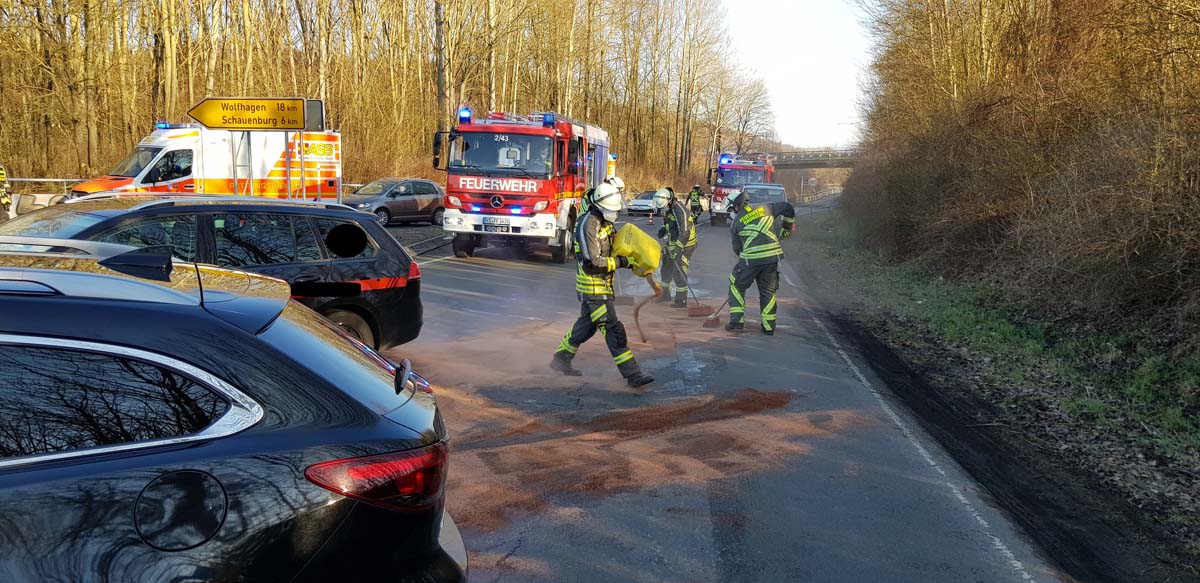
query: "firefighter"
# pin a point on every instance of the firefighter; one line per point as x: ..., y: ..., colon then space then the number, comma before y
x: 594, y: 285
x: 679, y: 228
x: 694, y: 199
x: 756, y: 233
x: 5, y: 194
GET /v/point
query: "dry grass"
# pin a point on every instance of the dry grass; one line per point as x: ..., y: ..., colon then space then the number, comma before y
x: 1049, y: 150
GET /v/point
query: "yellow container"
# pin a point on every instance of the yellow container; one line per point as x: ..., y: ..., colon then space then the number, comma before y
x: 643, y: 251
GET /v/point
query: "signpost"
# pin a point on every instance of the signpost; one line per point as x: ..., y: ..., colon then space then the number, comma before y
x: 255, y: 114
x: 238, y: 113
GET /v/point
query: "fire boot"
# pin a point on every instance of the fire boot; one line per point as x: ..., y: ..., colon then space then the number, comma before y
x: 562, y: 363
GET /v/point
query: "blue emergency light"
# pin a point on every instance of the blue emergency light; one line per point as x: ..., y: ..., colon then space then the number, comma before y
x: 162, y: 125
x: 464, y: 115
x: 612, y: 156
x: 474, y: 208
x: 726, y: 159
x: 515, y: 210
x: 548, y: 120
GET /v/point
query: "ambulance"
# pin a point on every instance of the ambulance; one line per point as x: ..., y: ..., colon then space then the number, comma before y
x: 192, y: 159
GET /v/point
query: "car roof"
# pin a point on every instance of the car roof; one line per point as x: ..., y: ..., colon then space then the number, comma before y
x: 114, y: 203
x: 763, y: 185
x: 401, y: 179
x: 104, y: 271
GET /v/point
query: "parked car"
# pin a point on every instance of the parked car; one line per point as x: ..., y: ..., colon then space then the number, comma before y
x: 169, y: 421
x: 283, y: 239
x: 764, y: 193
x: 400, y: 199
x: 642, y: 204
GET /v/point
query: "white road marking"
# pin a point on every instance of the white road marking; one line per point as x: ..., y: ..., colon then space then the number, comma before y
x: 427, y: 262
x: 1013, y: 562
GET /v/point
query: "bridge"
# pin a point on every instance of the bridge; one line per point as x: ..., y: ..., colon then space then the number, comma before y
x: 805, y: 159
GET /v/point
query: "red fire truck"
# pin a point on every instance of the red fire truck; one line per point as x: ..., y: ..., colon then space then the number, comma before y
x: 514, y: 179
x: 732, y: 174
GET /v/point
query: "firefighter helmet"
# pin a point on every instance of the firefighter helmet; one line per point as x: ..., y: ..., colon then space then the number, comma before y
x: 662, y: 198
x: 616, y: 181
x: 735, y: 199
x: 607, y: 197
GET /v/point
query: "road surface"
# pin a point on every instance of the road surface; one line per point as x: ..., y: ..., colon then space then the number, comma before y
x: 752, y: 458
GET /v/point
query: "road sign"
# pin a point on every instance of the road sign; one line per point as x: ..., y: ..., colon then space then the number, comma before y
x: 240, y: 113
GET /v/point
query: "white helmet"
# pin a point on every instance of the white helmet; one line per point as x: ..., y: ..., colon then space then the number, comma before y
x: 616, y: 181
x: 734, y: 199
x: 662, y: 198
x: 607, y: 197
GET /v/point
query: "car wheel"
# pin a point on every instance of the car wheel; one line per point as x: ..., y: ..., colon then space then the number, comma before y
x: 383, y: 216
x: 438, y: 215
x: 354, y: 325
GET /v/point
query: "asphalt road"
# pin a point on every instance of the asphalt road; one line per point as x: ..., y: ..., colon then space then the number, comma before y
x: 752, y: 458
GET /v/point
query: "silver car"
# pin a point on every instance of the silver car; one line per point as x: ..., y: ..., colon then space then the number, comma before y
x: 406, y: 200
x: 642, y: 205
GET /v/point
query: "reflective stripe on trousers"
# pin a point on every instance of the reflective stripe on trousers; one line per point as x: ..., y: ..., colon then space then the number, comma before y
x: 766, y: 277
x: 600, y: 315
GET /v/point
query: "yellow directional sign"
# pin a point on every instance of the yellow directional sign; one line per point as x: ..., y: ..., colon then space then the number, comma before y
x: 240, y: 113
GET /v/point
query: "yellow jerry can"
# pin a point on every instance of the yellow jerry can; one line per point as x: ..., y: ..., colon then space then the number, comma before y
x: 643, y: 251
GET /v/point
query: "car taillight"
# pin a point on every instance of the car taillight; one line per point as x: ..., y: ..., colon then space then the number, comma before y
x: 404, y: 480
x: 414, y: 272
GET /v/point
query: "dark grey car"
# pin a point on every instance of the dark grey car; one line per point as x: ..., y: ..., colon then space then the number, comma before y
x: 400, y: 199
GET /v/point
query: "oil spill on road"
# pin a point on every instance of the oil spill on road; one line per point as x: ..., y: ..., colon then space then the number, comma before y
x: 688, y: 441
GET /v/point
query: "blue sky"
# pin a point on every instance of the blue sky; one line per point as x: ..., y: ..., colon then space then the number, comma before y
x: 812, y: 54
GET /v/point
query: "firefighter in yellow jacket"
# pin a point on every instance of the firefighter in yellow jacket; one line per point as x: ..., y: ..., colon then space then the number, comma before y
x: 594, y: 285
x: 679, y: 229
x: 756, y: 233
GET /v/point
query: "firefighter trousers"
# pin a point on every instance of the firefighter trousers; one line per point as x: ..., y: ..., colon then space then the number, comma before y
x: 675, y: 274
x: 766, y: 277
x: 600, y: 315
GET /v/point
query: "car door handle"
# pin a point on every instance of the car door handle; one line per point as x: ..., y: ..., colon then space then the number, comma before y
x: 306, y: 279
x: 189, y: 186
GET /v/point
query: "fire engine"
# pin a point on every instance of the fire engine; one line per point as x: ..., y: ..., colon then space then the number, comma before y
x: 515, y: 179
x: 192, y: 159
x: 733, y: 173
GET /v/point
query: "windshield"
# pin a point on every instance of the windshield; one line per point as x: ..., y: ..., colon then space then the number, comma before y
x: 519, y: 153
x: 50, y: 222
x: 738, y: 177
x: 760, y: 195
x: 646, y: 195
x: 374, y: 188
x: 136, y: 162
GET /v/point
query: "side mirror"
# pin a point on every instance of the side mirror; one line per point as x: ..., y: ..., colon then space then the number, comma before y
x: 709, y: 179
x: 437, y: 151
x: 153, y: 176
x: 346, y: 240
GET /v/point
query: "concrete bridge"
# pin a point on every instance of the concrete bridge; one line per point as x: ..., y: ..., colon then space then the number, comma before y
x: 805, y: 159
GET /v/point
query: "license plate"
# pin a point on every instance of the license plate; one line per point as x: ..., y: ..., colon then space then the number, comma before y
x: 496, y: 228
x: 495, y: 221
